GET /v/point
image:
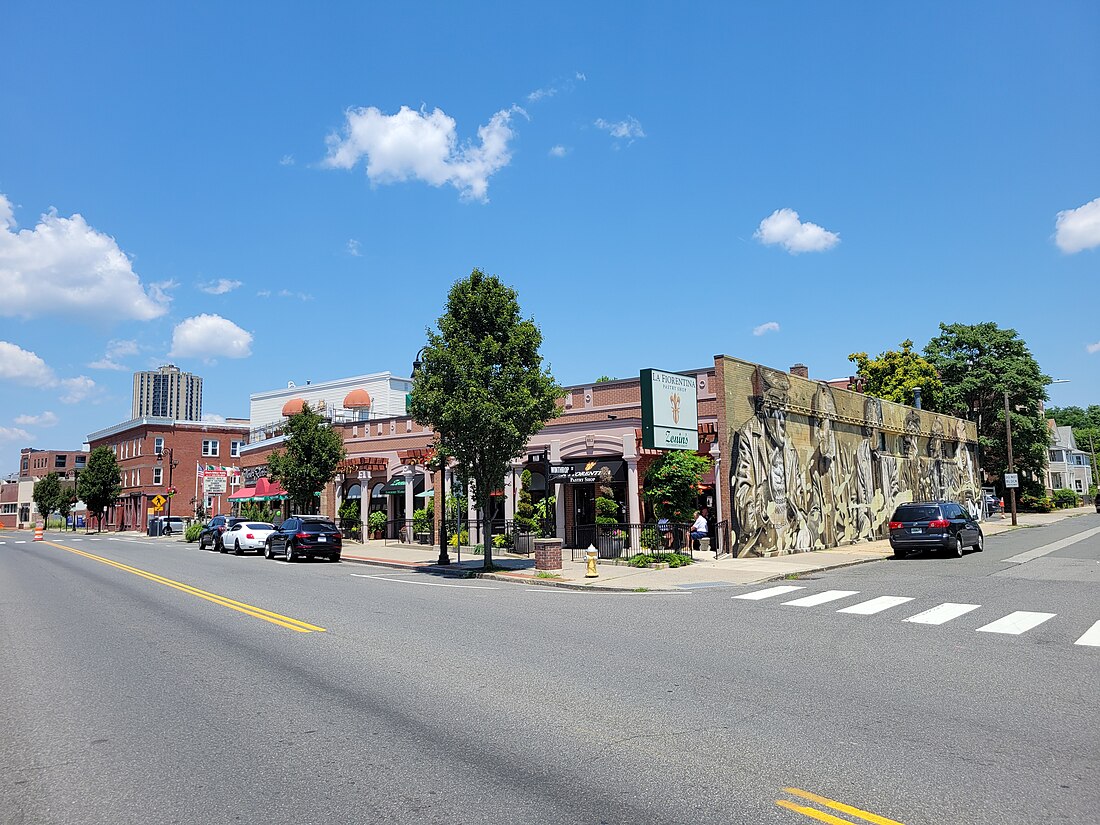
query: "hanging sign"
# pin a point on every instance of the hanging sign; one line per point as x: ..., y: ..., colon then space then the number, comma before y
x: 670, y: 413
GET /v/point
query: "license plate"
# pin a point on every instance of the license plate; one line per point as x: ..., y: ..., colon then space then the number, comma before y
x: 321, y: 539
x: 916, y: 529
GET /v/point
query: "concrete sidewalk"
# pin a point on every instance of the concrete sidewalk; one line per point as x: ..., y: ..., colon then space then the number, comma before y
x: 705, y: 572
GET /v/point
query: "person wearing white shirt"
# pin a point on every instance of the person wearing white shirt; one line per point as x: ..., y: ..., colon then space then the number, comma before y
x: 699, y: 526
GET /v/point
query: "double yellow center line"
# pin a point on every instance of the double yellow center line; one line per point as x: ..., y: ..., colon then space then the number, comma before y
x: 240, y: 607
x: 823, y: 816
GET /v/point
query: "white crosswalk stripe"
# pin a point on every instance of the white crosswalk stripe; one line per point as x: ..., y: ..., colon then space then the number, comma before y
x: 942, y: 613
x: 821, y: 598
x: 873, y: 606
x: 1016, y: 623
x: 1091, y: 637
x: 757, y: 595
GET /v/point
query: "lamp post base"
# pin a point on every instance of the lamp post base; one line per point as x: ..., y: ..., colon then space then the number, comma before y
x: 444, y: 559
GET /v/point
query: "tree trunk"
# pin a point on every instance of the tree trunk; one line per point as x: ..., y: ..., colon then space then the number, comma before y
x: 486, y: 533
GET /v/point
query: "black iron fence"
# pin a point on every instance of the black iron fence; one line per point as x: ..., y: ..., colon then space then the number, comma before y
x: 622, y: 541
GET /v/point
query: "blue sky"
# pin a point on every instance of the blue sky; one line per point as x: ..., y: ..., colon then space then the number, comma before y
x: 658, y: 185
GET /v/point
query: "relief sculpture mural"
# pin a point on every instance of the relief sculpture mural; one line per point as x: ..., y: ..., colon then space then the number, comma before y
x: 813, y: 467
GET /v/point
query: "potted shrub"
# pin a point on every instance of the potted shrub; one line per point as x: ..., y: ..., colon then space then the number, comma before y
x: 526, y: 524
x: 610, y: 539
x: 376, y: 521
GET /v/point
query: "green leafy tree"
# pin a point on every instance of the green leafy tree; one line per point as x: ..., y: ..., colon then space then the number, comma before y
x: 672, y: 483
x: 309, y: 460
x: 100, y: 484
x: 893, y: 375
x: 47, y: 495
x: 979, y: 363
x: 482, y: 385
x: 65, y: 504
x: 603, y: 379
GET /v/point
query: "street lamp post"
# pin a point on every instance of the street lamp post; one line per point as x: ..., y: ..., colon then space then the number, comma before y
x: 171, y: 466
x: 439, y: 500
x: 1008, y: 442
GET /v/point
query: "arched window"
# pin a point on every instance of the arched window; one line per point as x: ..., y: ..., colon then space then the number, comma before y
x: 355, y: 491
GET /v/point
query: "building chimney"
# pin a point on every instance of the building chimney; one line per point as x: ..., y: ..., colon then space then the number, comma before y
x: 801, y: 370
x: 916, y: 397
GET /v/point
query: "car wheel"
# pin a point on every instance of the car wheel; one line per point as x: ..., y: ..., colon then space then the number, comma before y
x: 336, y: 557
x: 221, y: 546
x: 958, y: 547
x: 289, y: 552
x: 979, y: 545
x: 202, y: 542
x: 236, y: 547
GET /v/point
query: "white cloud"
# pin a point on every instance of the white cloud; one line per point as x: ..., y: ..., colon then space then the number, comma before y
x: 353, y: 248
x: 763, y: 329
x: 1078, y: 229
x: 628, y: 129
x: 580, y: 76
x: 1093, y: 348
x: 558, y: 151
x: 423, y: 146
x: 210, y: 336
x: 115, y: 349
x: 14, y: 434
x: 539, y: 94
x: 65, y: 267
x: 783, y: 227
x: 220, y: 286
x: 264, y: 293
x: 77, y: 389
x: 46, y: 419
x: 213, y: 418
x: 25, y: 367
x: 286, y: 160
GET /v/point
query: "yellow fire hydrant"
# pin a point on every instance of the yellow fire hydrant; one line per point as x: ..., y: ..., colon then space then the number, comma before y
x: 590, y: 571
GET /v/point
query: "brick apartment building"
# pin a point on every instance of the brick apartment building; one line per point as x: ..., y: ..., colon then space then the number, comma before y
x: 17, y: 508
x: 38, y: 463
x: 157, y: 454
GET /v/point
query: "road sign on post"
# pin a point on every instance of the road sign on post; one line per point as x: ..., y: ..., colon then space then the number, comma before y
x: 1012, y: 480
x: 670, y: 411
x: 159, y: 501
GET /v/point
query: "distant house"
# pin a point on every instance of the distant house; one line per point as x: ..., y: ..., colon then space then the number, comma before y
x: 1068, y: 467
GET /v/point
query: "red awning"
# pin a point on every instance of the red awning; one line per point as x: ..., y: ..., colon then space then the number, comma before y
x: 243, y: 494
x: 269, y: 489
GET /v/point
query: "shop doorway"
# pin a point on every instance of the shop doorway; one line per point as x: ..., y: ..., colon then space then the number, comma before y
x: 584, y: 514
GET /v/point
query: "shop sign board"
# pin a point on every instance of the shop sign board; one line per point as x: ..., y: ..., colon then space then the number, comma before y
x: 670, y: 412
x: 214, y: 481
x: 250, y: 475
x: 589, y: 471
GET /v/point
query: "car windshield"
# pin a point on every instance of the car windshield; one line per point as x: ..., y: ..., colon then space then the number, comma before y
x: 258, y: 525
x: 318, y: 527
x: 926, y: 512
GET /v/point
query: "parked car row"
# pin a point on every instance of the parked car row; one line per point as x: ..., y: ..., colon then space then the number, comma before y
x: 298, y: 537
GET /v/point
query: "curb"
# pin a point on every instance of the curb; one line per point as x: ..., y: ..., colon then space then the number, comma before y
x: 414, y: 567
x: 821, y: 569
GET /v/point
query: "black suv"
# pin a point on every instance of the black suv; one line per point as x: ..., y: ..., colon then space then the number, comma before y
x: 211, y: 536
x: 934, y: 525
x: 305, y: 537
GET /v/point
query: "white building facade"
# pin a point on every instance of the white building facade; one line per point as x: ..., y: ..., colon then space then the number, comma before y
x: 1068, y: 468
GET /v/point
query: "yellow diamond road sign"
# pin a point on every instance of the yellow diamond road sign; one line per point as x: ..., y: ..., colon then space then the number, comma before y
x: 158, y: 501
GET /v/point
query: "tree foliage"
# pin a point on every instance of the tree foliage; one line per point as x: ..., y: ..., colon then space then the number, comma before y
x: 524, y: 518
x: 47, y: 495
x: 672, y: 483
x: 100, y: 485
x: 893, y: 375
x: 308, y: 461
x: 979, y: 363
x: 482, y: 386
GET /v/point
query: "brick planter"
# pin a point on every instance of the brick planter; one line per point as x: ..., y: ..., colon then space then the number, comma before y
x: 548, y: 554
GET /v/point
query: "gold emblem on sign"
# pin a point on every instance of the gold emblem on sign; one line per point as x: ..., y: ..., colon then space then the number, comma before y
x: 675, y: 399
x: 589, y: 465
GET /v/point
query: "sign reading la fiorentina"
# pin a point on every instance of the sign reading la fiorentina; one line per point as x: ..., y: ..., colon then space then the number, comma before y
x: 670, y: 415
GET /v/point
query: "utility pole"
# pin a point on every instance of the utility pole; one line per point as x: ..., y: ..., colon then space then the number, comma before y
x: 1011, y: 469
x: 1095, y: 469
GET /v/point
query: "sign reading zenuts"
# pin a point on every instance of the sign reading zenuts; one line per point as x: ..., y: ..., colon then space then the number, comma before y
x: 670, y: 415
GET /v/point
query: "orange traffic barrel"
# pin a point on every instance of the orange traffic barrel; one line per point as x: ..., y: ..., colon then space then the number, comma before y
x: 38, y: 531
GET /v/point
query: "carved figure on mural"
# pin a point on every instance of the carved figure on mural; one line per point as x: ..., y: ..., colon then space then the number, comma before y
x: 768, y: 484
x: 826, y: 492
x: 869, y: 500
x: 936, y: 486
x: 964, y: 464
x: 910, y: 449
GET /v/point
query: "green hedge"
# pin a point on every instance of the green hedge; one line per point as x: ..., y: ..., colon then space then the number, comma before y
x: 671, y: 559
x: 192, y: 532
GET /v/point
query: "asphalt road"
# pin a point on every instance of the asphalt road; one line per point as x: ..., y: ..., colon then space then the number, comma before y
x: 144, y: 681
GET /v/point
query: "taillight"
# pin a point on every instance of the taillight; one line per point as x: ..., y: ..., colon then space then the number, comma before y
x: 337, y: 535
x: 301, y: 535
x: 896, y: 525
x: 940, y: 522
x: 249, y: 536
